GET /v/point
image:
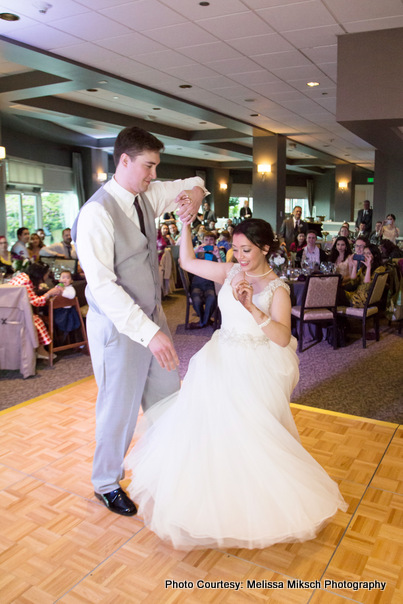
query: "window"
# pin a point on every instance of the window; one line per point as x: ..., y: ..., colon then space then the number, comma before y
x: 21, y: 210
x: 51, y: 211
x: 291, y: 203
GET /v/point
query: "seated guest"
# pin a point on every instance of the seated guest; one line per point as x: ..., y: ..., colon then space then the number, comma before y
x: 202, y: 291
x: 34, y: 246
x: 5, y: 257
x: 389, y: 250
x: 34, y: 280
x: 224, y: 241
x: 197, y: 221
x: 64, y: 249
x: 389, y: 229
x: 344, y: 232
x: 66, y: 318
x: 376, y: 236
x: 299, y: 243
x: 362, y: 232
x: 41, y: 234
x: 169, y: 218
x: 342, y: 257
x: 174, y: 232
x: 163, y: 240
x: 311, y: 254
x: 19, y: 249
x: 357, y: 288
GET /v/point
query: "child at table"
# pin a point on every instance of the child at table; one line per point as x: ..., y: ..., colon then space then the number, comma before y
x: 66, y: 318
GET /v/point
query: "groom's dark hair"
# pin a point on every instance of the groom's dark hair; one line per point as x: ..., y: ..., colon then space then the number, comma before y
x: 259, y: 232
x: 134, y: 141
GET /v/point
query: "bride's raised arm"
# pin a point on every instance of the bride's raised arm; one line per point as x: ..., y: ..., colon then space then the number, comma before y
x: 215, y: 271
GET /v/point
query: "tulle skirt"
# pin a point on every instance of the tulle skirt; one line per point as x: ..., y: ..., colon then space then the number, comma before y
x: 220, y: 463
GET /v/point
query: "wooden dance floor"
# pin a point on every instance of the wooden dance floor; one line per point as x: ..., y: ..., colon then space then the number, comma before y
x: 59, y: 544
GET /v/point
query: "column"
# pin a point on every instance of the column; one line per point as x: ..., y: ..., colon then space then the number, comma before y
x: 269, y: 188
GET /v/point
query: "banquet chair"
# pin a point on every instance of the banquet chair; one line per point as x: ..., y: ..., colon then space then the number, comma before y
x: 184, y: 275
x: 371, y: 307
x: 18, y: 335
x: 318, y: 304
x: 60, y: 302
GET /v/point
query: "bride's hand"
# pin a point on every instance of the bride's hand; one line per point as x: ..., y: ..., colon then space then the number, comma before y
x: 243, y: 292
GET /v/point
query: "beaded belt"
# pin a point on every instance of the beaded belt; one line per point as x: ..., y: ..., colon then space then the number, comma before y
x: 233, y: 337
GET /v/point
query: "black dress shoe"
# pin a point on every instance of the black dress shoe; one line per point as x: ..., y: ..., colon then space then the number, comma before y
x: 117, y: 501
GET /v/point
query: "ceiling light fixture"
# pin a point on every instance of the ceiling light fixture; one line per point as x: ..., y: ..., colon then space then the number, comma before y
x: 102, y: 82
x: 156, y: 108
x: 92, y: 89
x: 255, y: 114
x: 312, y: 84
x: 185, y: 86
x: 250, y: 100
x: 204, y: 3
x: 9, y: 17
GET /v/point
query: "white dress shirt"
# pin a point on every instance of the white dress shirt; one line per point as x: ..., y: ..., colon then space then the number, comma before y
x: 95, y: 243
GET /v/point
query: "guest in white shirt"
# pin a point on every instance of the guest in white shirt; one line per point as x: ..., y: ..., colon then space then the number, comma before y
x: 19, y: 249
x: 63, y: 249
x: 312, y: 254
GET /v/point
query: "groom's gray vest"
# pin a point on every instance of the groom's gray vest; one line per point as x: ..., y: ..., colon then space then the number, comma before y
x: 135, y: 256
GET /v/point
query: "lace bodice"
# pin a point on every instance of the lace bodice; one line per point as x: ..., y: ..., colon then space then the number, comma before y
x: 237, y: 323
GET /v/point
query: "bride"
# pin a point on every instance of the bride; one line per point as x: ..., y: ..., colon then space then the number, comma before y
x: 227, y: 469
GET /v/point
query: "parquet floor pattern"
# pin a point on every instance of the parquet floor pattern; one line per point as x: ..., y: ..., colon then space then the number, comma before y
x: 59, y: 544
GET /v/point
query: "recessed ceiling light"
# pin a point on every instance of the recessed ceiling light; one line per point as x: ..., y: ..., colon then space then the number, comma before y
x: 324, y: 93
x: 250, y: 100
x: 204, y: 3
x: 254, y: 114
x: 312, y: 84
x: 102, y: 82
x: 92, y: 89
x: 202, y: 122
x: 116, y: 98
x: 156, y: 108
x: 185, y: 86
x: 9, y: 17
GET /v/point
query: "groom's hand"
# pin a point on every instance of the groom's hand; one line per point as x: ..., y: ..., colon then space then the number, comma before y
x: 164, y: 351
x: 188, y: 203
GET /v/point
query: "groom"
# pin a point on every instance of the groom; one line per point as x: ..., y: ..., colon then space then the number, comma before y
x: 132, y: 353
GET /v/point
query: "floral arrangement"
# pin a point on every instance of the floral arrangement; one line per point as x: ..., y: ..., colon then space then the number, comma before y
x: 278, y: 263
x: 20, y: 263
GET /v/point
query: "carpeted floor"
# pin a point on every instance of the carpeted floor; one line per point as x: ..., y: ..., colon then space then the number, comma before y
x: 367, y: 383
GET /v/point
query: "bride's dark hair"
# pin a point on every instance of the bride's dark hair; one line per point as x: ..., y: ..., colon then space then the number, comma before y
x: 260, y: 233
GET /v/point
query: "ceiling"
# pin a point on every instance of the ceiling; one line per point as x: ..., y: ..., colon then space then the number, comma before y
x: 245, y: 65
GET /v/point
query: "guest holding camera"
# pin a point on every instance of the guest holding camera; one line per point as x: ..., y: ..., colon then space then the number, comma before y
x: 202, y: 291
x: 357, y: 289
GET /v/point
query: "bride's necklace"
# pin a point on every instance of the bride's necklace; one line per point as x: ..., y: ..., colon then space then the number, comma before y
x: 263, y: 275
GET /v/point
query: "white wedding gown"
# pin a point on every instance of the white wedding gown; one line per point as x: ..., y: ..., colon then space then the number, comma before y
x: 221, y: 464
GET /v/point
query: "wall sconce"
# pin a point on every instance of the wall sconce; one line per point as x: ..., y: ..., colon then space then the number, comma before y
x: 223, y: 186
x: 343, y: 185
x: 102, y: 176
x: 2, y: 154
x: 264, y: 169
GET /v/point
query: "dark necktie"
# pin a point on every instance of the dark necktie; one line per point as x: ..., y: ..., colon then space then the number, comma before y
x: 140, y: 215
x: 68, y: 248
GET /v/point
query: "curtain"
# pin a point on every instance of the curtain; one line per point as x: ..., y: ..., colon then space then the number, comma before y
x: 309, y: 191
x: 78, y: 178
